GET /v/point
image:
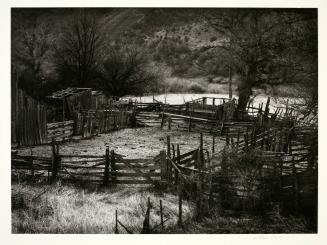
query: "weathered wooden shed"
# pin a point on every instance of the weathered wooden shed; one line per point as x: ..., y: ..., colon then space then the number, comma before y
x: 73, y: 100
x: 100, y: 101
x: 28, y: 116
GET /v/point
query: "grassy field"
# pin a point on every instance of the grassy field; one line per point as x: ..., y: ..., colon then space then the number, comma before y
x: 63, y: 208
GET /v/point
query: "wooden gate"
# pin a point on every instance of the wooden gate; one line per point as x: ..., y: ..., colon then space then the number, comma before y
x: 134, y: 171
x: 108, y: 169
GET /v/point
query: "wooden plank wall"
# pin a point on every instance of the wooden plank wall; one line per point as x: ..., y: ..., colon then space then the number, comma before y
x: 28, y: 117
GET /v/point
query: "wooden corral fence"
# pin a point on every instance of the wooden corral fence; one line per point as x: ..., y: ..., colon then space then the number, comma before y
x: 28, y: 117
x: 60, y: 131
x: 219, y: 116
x: 221, y: 109
x: 94, y: 122
x: 108, y: 169
x: 286, y: 170
x: 189, y: 123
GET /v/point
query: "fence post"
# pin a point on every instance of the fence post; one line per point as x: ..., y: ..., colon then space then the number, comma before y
x: 162, y: 120
x: 173, y: 150
x: 169, y: 156
x: 161, y: 215
x: 210, y: 201
x: 106, y: 169
x: 116, y: 223
x: 189, y: 124
x: 222, y: 128
x: 238, y: 138
x: 266, y: 109
x: 263, y: 142
x: 180, y: 203
x: 285, y: 141
x: 213, y: 144
x: 146, y: 223
x: 54, y: 161
x: 32, y: 167
x: 227, y: 137
x: 178, y: 162
x: 169, y: 123
x: 201, y: 148
x: 163, y: 165
x: 91, y: 124
x: 198, y: 188
x: 84, y: 133
x: 295, y: 187
x: 113, y: 165
x: 246, y: 142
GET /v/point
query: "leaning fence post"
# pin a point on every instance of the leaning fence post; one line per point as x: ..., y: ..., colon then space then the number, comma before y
x: 146, y: 223
x: 180, y: 203
x: 116, y: 223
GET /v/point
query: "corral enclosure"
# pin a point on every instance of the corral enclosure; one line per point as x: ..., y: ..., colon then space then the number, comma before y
x: 211, y: 151
x: 207, y: 141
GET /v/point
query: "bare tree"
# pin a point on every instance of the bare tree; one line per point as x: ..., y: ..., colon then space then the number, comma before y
x: 32, y: 42
x: 125, y: 72
x: 78, y: 53
x: 266, y: 46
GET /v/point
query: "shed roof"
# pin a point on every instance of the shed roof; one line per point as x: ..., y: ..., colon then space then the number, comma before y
x: 96, y: 93
x: 67, y: 92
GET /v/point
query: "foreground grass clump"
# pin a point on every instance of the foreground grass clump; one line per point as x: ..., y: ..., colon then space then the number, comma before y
x: 67, y: 209
x: 63, y: 208
x: 218, y: 224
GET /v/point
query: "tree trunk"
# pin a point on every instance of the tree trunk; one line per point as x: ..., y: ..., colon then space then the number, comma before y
x: 244, y: 92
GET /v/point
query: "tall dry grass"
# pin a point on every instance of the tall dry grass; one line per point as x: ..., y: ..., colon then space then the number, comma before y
x: 67, y: 209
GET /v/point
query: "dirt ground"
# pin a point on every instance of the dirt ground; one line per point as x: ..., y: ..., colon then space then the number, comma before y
x: 131, y: 143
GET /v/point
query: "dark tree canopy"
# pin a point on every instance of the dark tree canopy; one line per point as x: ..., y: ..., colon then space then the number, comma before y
x: 125, y: 72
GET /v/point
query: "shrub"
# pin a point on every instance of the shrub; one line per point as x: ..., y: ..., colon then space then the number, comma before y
x: 242, y: 171
x: 197, y: 88
x: 212, y: 39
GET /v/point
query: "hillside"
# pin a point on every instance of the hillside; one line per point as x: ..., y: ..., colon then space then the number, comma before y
x: 179, y: 44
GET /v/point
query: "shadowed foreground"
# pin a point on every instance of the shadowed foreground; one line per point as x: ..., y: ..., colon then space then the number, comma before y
x: 69, y: 209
